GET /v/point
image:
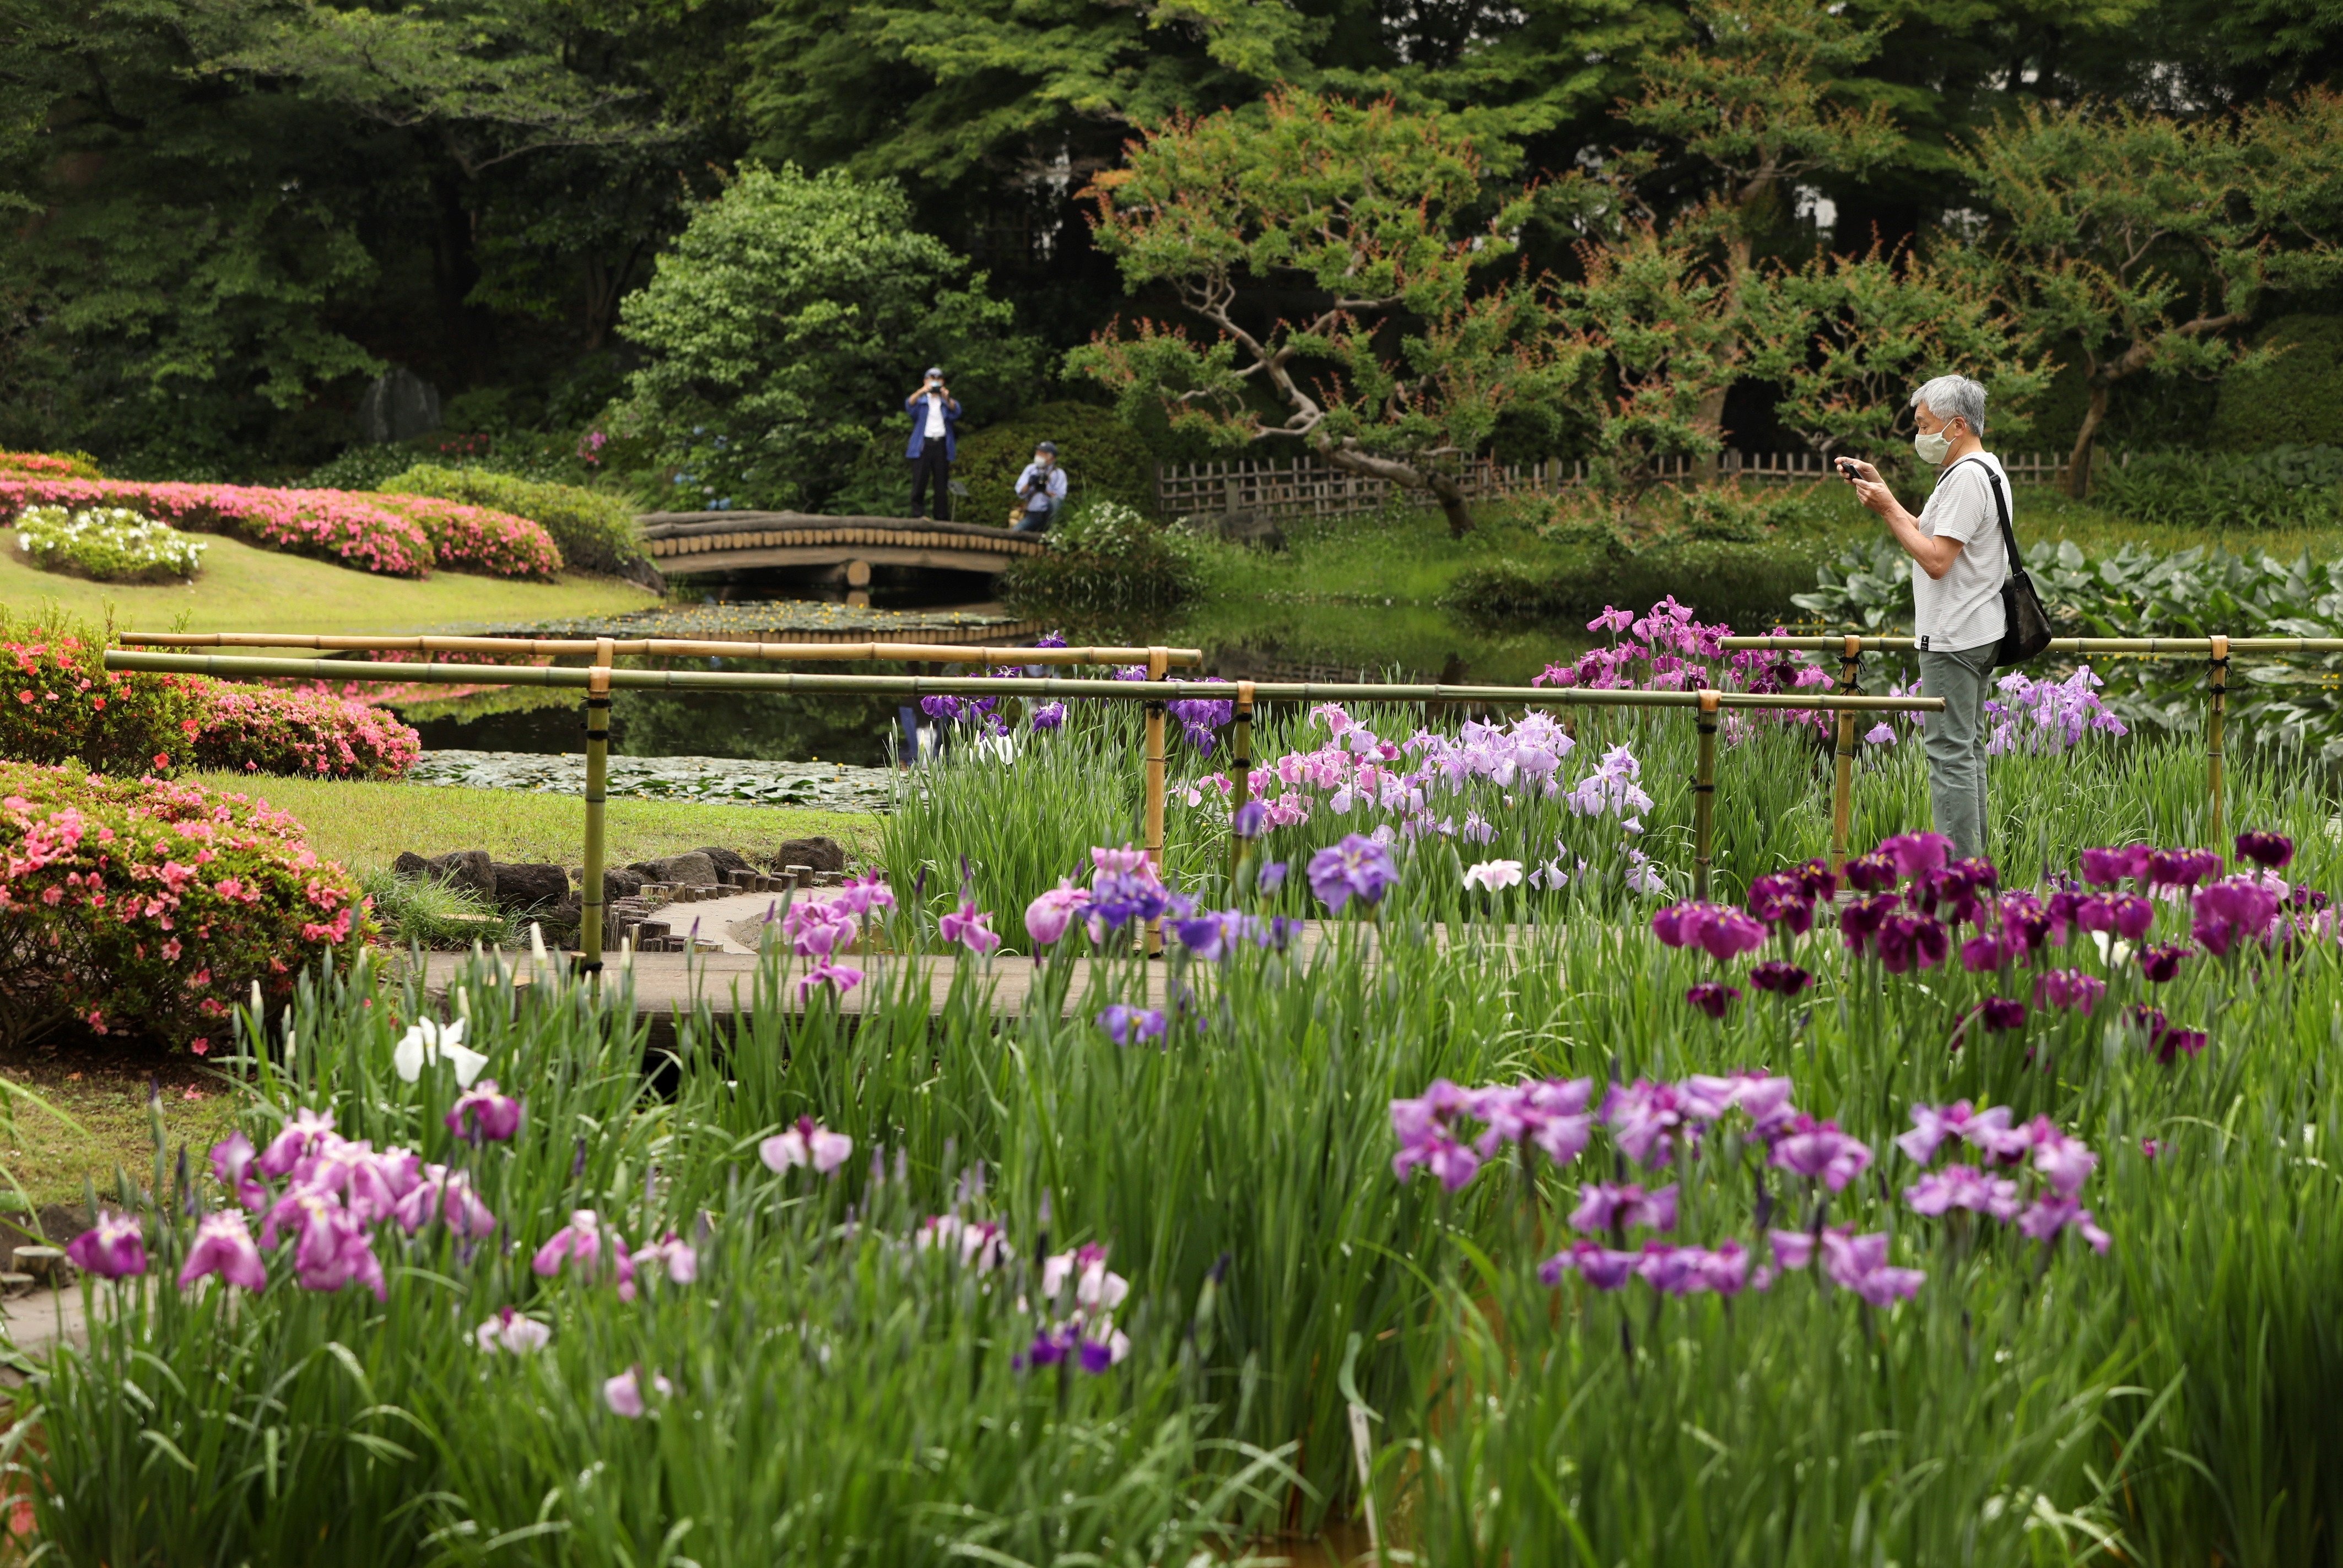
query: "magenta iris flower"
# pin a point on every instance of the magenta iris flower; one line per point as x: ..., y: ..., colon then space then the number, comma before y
x: 1550, y: 1113
x: 2068, y: 988
x: 1125, y: 1024
x: 2162, y: 962
x: 336, y: 1250
x: 1872, y: 873
x: 2064, y: 1160
x: 1793, y: 1250
x: 2002, y: 1014
x: 1783, y: 898
x: 2231, y: 913
x: 1765, y: 1097
x: 2105, y: 867
x: 113, y: 1248
x: 481, y: 1114
x: 2270, y: 850
x: 584, y: 1242
x: 1358, y: 866
x: 224, y: 1247
x: 1912, y: 854
x: 1818, y: 1150
x: 1713, y: 999
x: 2181, y: 868
x: 1859, y: 1264
x: 1906, y: 942
x: 1784, y: 979
x: 1722, y: 933
x: 445, y: 1195
x: 2133, y: 916
x: 840, y: 978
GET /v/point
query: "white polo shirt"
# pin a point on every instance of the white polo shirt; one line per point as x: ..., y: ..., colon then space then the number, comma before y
x: 1962, y: 609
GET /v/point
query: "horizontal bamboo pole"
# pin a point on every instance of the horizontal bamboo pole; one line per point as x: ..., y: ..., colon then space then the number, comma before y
x: 916, y: 685
x: 2154, y: 647
x: 672, y: 647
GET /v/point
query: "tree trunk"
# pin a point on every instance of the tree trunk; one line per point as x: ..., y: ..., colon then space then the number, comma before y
x: 1407, y: 476
x: 2078, y: 461
x: 1451, y: 497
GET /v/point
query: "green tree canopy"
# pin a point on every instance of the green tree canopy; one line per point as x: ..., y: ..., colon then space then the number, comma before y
x: 787, y: 323
x: 1356, y: 308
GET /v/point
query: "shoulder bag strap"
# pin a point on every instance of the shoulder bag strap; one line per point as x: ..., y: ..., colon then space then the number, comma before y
x: 2016, y: 563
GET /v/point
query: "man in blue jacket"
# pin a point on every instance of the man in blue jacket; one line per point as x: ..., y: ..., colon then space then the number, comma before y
x: 935, y: 413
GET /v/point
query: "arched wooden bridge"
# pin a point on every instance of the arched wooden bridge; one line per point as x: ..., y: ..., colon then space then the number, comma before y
x: 684, y: 544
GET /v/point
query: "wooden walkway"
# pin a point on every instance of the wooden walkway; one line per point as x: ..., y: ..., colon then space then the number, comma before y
x: 669, y: 986
x: 682, y: 544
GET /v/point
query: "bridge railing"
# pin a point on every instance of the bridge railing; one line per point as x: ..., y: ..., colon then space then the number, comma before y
x: 599, y: 680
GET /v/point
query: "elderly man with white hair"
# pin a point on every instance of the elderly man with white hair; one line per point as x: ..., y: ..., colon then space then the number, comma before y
x: 1959, y: 561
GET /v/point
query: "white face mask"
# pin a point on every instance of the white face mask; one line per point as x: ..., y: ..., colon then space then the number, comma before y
x: 1934, y: 449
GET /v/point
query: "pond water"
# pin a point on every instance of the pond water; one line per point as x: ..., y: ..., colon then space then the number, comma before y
x: 1346, y: 641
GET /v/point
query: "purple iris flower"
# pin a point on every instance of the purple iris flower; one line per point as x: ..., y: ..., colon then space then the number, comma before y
x: 224, y: 1247
x: 1818, y: 1150
x: 1765, y: 1097
x: 1785, y: 979
x: 1603, y: 1207
x: 2162, y: 962
x: 1722, y: 933
x: 113, y: 1248
x: 1859, y: 920
x: 1644, y: 1118
x: 483, y: 1115
x: 1049, y: 716
x: 1214, y: 934
x: 232, y: 1162
x: 2270, y: 850
x: 1911, y: 941
x: 1124, y: 1024
x: 1270, y: 878
x: 1819, y: 881
x: 1249, y: 820
x: 1964, y: 1187
x: 1859, y: 1264
x: 1713, y: 999
x: 1358, y: 866
x: 1980, y: 954
x: 942, y: 709
x: 1783, y: 898
x: 2053, y: 1212
x: 1550, y: 1113
x: 1598, y: 1266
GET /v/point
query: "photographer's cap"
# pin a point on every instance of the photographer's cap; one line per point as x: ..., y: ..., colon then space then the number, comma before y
x: 935, y: 372
x: 1049, y: 447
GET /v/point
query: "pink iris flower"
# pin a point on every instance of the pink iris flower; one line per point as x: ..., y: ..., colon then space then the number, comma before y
x: 224, y: 1247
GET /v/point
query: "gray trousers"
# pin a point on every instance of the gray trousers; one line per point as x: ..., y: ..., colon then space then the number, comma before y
x: 1955, y: 743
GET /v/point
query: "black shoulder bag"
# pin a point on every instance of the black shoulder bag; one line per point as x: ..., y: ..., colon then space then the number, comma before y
x: 2026, y: 625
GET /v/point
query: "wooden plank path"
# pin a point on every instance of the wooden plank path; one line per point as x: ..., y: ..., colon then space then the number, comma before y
x: 670, y: 986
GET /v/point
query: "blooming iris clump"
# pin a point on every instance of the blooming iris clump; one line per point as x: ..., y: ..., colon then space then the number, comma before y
x: 2057, y: 1164
x: 1124, y: 1024
x: 2047, y: 716
x: 1720, y: 930
x: 1086, y: 1335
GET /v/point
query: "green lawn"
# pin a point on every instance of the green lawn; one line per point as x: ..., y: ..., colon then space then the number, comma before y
x: 366, y: 825
x: 246, y: 589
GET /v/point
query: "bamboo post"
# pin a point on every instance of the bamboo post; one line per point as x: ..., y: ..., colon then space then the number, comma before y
x: 1703, y: 796
x: 1843, y: 786
x: 2217, y: 695
x: 1241, y: 763
x: 1158, y: 665
x: 597, y: 773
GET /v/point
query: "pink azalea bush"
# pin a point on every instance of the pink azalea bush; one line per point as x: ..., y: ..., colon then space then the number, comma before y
x: 59, y: 703
x: 476, y: 540
x: 152, y: 907
x: 262, y: 729
x: 396, y: 535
